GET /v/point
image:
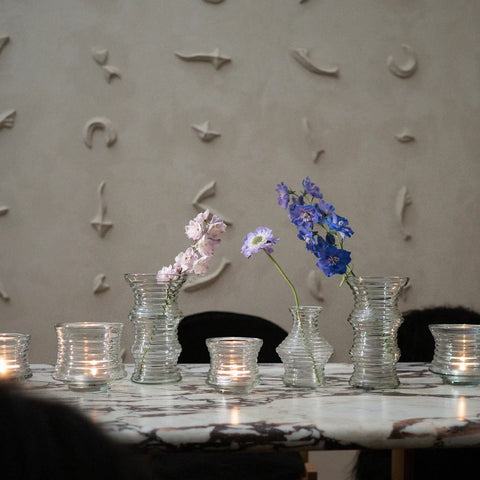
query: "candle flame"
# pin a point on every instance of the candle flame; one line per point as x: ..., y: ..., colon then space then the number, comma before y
x: 461, y: 408
x: 94, y: 369
x: 234, y: 415
x: 3, y: 366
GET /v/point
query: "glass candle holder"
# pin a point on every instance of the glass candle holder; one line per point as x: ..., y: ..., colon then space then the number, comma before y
x: 14, y: 363
x: 88, y: 355
x: 457, y: 353
x: 233, y: 363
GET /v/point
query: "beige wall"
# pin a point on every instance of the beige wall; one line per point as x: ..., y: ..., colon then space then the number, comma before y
x: 259, y: 103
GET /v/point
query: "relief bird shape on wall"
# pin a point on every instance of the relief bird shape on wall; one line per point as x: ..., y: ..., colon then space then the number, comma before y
x: 214, y: 58
x: 99, y: 222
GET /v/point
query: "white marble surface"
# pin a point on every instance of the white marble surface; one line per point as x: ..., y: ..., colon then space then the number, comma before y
x: 189, y: 415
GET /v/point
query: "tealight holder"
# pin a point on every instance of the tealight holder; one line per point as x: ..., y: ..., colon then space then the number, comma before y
x: 457, y: 353
x: 14, y: 363
x: 88, y: 355
x: 233, y: 364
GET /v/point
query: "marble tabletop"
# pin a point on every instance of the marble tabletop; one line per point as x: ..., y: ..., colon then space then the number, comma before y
x: 190, y: 415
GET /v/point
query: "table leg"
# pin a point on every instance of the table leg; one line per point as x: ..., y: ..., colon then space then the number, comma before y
x: 310, y: 468
x: 402, y: 464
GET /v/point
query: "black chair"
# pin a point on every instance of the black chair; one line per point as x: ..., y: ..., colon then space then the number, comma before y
x: 196, y: 328
x: 416, y: 344
x: 192, y: 333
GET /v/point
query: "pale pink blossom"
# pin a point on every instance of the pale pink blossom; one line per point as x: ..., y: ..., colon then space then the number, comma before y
x: 196, y: 258
x: 216, y: 227
x: 194, y: 229
x: 167, y: 273
x: 200, y: 266
x: 202, y: 216
x: 185, y: 260
x: 206, y: 246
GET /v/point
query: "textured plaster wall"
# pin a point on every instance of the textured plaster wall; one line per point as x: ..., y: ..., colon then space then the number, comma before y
x: 260, y: 103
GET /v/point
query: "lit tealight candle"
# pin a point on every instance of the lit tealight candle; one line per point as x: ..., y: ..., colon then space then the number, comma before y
x: 233, y: 363
x: 3, y: 367
x: 461, y: 408
x: 94, y: 369
x: 14, y: 356
x: 462, y: 365
x: 457, y: 353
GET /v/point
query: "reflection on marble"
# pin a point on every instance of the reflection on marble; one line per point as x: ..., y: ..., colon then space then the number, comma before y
x: 190, y: 415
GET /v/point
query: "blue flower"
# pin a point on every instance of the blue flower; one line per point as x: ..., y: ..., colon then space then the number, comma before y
x: 283, y: 195
x: 322, y: 230
x: 340, y: 225
x: 261, y: 239
x: 304, y: 215
x: 311, y: 188
x: 324, y: 209
x: 333, y: 260
x: 313, y: 241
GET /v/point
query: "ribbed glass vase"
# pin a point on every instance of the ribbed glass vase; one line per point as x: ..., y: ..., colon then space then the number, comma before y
x: 155, y: 317
x: 304, y: 352
x: 375, y: 319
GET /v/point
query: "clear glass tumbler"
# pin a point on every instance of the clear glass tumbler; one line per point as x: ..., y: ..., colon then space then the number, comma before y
x: 457, y: 353
x: 233, y: 363
x: 88, y: 355
x: 14, y: 363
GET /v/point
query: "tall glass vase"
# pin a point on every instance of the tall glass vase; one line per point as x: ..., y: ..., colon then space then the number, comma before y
x: 375, y: 319
x: 304, y: 352
x: 155, y: 317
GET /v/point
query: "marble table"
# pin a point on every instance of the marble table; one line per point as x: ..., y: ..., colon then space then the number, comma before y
x: 191, y: 416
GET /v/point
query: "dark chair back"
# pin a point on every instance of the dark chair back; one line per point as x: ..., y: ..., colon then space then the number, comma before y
x: 196, y: 328
x: 414, y: 337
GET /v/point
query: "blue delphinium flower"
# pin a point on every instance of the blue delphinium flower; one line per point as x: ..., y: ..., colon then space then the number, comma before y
x: 283, y: 195
x: 304, y: 215
x: 339, y: 224
x: 311, y: 188
x: 319, y: 226
x: 333, y: 260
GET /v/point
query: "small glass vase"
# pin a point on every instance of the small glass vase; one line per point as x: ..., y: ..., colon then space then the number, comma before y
x: 155, y: 317
x: 233, y: 363
x: 304, y: 352
x: 375, y: 319
x: 457, y: 353
x: 14, y: 364
x: 88, y: 355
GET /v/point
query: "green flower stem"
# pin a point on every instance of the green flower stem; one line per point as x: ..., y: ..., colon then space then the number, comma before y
x: 286, y: 279
x: 348, y: 273
x: 309, y: 352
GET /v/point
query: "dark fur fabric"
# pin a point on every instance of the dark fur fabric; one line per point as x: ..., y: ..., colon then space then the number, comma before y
x: 44, y: 440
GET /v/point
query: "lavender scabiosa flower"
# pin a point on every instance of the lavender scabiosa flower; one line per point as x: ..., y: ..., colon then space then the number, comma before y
x: 262, y: 239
